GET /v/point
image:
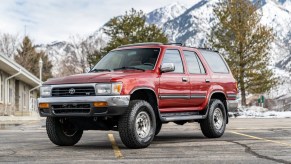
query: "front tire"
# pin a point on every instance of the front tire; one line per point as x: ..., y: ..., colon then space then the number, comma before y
x: 214, y: 125
x: 158, y: 127
x: 61, y: 132
x: 137, y: 126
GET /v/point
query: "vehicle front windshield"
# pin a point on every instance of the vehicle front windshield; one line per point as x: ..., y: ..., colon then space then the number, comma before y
x: 139, y: 59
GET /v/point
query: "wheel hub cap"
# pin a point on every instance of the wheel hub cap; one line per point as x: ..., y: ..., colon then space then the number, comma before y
x: 142, y: 124
x: 218, y: 118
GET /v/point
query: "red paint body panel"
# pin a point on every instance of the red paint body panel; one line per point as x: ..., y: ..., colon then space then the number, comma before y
x: 164, y: 84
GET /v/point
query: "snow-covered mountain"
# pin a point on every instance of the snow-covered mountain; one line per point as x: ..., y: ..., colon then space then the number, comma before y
x: 164, y: 14
x: 192, y: 24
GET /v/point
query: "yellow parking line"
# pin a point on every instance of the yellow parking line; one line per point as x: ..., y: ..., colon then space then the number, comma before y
x: 263, y: 139
x: 116, y: 150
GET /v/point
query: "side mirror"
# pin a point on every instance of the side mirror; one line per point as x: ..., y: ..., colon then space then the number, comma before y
x: 167, y: 67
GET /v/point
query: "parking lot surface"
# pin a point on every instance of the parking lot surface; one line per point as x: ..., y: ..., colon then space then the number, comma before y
x: 245, y: 141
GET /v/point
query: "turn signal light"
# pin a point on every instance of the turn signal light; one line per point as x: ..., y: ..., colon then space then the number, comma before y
x: 100, y: 104
x: 43, y: 105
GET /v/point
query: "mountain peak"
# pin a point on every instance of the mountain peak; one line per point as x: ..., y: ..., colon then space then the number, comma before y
x: 161, y: 15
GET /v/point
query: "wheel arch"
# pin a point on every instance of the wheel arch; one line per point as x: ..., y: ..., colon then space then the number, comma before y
x: 148, y: 94
x: 220, y: 95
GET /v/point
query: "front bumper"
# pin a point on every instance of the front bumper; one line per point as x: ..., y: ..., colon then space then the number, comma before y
x: 232, y: 105
x: 83, y: 106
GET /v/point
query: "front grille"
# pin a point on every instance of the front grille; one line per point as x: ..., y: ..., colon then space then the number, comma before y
x: 73, y: 91
x: 71, y: 108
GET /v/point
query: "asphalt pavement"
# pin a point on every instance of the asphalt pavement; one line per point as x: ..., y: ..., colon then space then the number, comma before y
x: 245, y: 141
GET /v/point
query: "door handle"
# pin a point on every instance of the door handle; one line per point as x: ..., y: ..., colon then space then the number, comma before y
x: 207, y: 80
x: 184, y: 79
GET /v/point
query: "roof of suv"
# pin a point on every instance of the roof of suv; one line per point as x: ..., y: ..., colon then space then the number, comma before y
x: 161, y: 44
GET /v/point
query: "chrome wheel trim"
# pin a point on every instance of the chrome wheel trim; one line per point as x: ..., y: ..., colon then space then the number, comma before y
x: 217, y: 118
x: 143, y: 124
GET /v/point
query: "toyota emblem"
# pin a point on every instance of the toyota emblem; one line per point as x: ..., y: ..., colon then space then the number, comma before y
x: 72, y: 91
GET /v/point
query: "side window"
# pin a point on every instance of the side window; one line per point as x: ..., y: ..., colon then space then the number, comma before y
x: 214, y: 61
x: 192, y: 62
x: 173, y: 56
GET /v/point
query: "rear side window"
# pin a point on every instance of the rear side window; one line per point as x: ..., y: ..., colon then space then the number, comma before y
x: 215, y: 61
x: 173, y: 56
x: 193, y: 63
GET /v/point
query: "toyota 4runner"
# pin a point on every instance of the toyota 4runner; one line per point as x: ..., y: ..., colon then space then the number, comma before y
x: 135, y: 89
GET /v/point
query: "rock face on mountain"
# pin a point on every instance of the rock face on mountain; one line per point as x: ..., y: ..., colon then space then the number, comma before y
x: 192, y: 24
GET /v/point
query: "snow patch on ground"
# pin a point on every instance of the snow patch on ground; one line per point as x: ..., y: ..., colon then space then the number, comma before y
x: 258, y: 112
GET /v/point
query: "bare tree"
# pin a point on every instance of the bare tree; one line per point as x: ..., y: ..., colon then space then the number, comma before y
x: 77, y: 43
x: 69, y: 66
x: 8, y: 44
x: 92, y: 50
x: 81, y: 53
x: 87, y: 50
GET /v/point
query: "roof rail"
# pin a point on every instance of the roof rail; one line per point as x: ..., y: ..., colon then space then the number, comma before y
x: 141, y: 44
x: 180, y: 44
x: 208, y: 49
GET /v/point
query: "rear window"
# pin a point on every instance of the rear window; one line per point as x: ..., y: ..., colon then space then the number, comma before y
x: 215, y: 61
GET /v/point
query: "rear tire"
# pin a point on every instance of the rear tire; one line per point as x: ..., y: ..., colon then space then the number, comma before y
x: 61, y: 132
x: 137, y: 126
x: 214, y: 125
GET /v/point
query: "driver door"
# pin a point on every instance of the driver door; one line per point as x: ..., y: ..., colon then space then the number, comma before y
x: 174, y: 87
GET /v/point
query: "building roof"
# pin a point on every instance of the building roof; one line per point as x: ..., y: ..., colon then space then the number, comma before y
x: 11, y: 67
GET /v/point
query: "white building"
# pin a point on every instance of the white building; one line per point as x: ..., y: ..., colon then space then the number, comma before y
x: 18, y: 89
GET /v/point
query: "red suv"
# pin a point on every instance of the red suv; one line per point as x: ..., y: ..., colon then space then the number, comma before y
x: 135, y: 89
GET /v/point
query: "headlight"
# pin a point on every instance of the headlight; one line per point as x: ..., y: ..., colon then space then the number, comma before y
x: 108, y: 88
x: 45, y: 91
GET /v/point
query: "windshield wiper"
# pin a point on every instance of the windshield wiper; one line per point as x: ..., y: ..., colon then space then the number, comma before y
x: 129, y: 68
x: 100, y: 70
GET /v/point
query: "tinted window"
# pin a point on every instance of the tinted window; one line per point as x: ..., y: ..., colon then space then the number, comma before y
x: 173, y: 56
x: 192, y: 62
x: 214, y: 61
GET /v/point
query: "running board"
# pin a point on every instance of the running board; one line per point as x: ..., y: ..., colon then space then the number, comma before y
x: 181, y: 116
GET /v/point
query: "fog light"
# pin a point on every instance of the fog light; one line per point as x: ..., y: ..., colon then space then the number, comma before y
x: 43, y: 105
x: 100, y: 104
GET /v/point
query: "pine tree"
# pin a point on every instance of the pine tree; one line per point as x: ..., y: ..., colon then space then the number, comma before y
x: 28, y: 58
x: 246, y: 43
x: 47, y: 66
x: 131, y: 28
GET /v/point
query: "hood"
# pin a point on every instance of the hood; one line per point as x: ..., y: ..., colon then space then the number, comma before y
x: 100, y: 77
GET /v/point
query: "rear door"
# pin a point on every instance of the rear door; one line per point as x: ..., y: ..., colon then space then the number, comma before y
x: 199, y: 79
x: 174, y: 88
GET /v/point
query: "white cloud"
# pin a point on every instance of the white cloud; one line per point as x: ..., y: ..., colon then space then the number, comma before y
x: 51, y: 20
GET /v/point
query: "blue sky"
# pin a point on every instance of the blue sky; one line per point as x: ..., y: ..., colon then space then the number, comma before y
x: 50, y: 20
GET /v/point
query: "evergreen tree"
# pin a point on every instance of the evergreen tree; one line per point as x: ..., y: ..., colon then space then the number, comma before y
x: 131, y: 28
x: 28, y: 58
x: 246, y: 43
x: 46, y: 67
